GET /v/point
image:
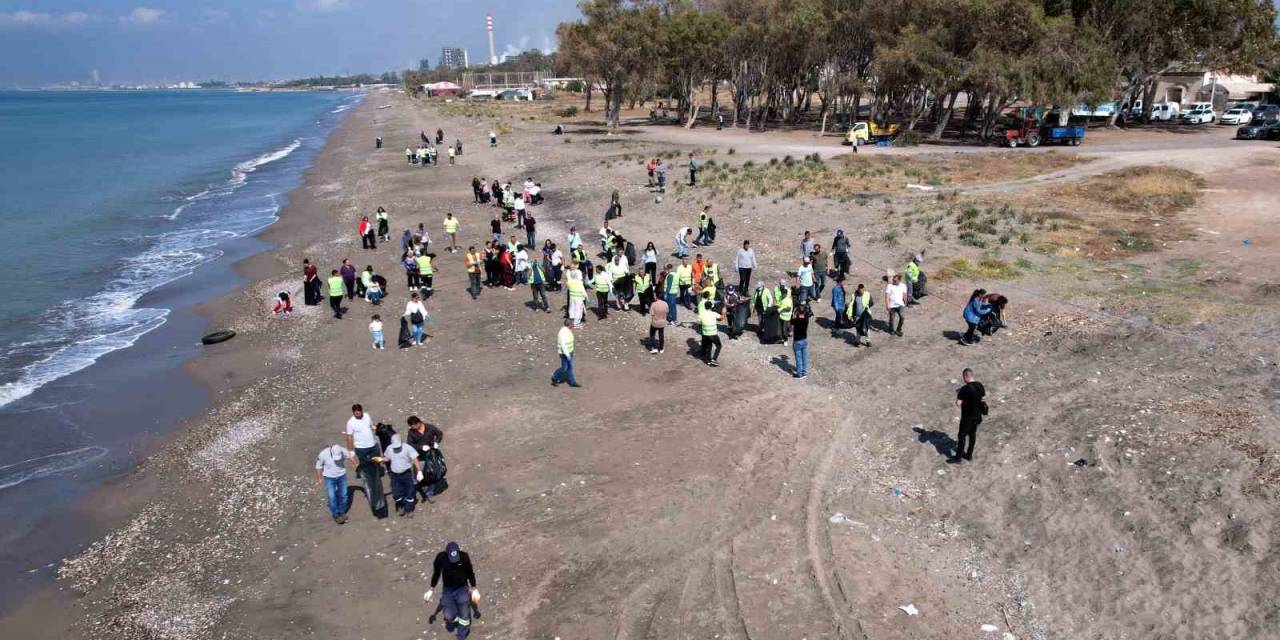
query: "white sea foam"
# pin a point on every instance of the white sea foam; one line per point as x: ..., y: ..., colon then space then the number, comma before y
x: 82, y: 331
x: 20, y: 472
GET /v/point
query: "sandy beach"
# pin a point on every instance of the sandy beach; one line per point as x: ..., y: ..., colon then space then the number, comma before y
x: 1123, y: 486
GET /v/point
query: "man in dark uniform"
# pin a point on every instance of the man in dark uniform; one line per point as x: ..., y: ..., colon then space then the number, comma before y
x: 454, y: 565
x: 972, y: 407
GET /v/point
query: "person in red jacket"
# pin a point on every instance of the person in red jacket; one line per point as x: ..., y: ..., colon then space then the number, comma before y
x: 367, y: 238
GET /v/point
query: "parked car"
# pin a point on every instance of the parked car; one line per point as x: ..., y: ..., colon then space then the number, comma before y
x: 1266, y: 112
x: 1236, y: 116
x: 1259, y: 130
x: 1199, y: 113
x: 1165, y: 111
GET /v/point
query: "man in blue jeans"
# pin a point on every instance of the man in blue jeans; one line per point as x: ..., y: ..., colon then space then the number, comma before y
x: 800, y: 340
x: 331, y: 471
x: 452, y: 570
x: 671, y: 293
x: 564, y: 346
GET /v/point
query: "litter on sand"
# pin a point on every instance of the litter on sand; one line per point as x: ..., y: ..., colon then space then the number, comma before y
x: 839, y: 518
x: 921, y: 187
x: 910, y: 609
x: 989, y: 628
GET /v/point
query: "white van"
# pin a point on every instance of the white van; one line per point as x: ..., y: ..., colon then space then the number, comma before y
x: 1165, y: 111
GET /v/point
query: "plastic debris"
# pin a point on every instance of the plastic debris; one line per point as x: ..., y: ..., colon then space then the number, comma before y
x: 839, y: 518
x: 989, y: 628
x: 910, y: 609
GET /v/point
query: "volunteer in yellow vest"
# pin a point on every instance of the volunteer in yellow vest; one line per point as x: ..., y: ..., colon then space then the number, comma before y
x: 474, y: 262
x: 451, y: 229
x: 617, y: 271
x: 425, y: 271
x: 859, y: 311
x: 670, y: 292
x: 644, y: 289
x: 684, y: 273
x: 709, y: 329
x: 577, y: 295
x: 602, y: 285
x: 564, y: 346
x: 785, y: 306
x: 913, y: 279
x: 337, y: 289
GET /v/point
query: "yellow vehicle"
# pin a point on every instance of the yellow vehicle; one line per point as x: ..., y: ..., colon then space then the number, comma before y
x: 868, y: 132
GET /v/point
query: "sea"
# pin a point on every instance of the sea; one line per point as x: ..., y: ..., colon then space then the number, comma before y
x: 114, y: 208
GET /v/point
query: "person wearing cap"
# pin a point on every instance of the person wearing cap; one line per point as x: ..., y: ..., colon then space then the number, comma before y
x: 806, y: 291
x: 405, y: 472
x: 331, y: 471
x: 453, y: 571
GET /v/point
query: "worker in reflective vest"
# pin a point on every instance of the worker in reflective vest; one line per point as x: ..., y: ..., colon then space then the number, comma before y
x: 577, y: 293
x: 602, y: 285
x: 425, y: 271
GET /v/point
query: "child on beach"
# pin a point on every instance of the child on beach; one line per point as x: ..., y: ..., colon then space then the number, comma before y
x: 375, y: 330
x: 283, y: 304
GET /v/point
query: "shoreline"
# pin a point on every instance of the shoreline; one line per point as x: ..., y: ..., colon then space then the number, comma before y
x: 127, y: 486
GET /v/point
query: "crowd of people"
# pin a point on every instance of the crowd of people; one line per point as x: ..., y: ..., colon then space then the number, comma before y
x: 608, y: 275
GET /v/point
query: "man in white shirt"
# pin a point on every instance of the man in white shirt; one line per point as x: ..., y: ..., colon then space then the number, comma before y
x: 745, y: 262
x: 895, y: 295
x: 331, y: 471
x: 805, y: 277
x: 519, y: 208
x: 360, y: 435
x: 522, y: 265
x: 682, y: 242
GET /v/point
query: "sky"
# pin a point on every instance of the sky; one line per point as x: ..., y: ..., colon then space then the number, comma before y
x: 45, y: 42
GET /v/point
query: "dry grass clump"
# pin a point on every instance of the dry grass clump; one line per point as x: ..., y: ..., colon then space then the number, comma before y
x: 1150, y: 190
x: 986, y: 268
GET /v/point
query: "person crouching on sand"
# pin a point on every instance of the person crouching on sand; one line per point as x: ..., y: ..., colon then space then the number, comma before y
x: 283, y: 304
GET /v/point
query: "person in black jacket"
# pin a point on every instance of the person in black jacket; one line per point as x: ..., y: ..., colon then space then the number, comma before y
x: 972, y: 407
x: 454, y: 566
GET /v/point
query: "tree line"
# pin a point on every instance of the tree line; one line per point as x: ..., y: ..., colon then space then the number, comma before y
x: 907, y: 61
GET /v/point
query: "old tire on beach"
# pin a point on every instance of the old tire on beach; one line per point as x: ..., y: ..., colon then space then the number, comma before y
x: 218, y: 336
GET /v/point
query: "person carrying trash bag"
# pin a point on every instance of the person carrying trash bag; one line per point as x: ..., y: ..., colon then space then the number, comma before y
x: 456, y: 601
x: 402, y: 460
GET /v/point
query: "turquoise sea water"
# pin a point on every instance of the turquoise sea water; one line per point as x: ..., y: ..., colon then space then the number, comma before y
x: 105, y: 196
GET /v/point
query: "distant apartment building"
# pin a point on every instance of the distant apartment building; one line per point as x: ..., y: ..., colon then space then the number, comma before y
x: 453, y: 58
x: 424, y: 64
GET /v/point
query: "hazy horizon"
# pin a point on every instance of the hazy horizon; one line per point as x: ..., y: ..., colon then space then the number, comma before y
x: 57, y: 42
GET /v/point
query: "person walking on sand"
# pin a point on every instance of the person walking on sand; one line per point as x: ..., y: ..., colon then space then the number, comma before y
x: 671, y: 292
x: 603, y: 285
x: 661, y: 171
x: 806, y: 290
x: 682, y: 241
x: 819, y: 260
x: 452, y: 154
x: 365, y: 230
x: 402, y: 462
x: 474, y: 261
x: 537, y: 285
x: 684, y: 273
x: 493, y: 139
x: 349, y: 274
x: 657, y: 326
x: 410, y: 265
x: 456, y: 600
x: 416, y: 312
x: 704, y: 225
x: 576, y: 293
x: 375, y: 331
x: 331, y: 473
x: 495, y: 227
x: 860, y: 311
x: 895, y: 297
x: 694, y: 165
x: 530, y: 230
x: 310, y: 283
x: 969, y: 398
x: 709, y: 329
x: 360, y: 435
x: 840, y: 251
x: 426, y: 273
x: 564, y: 347
x: 807, y: 244
x: 746, y: 263
x: 913, y: 280
x: 337, y: 289
x: 839, y: 307
x: 451, y: 230
x: 800, y: 340
x: 384, y: 225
